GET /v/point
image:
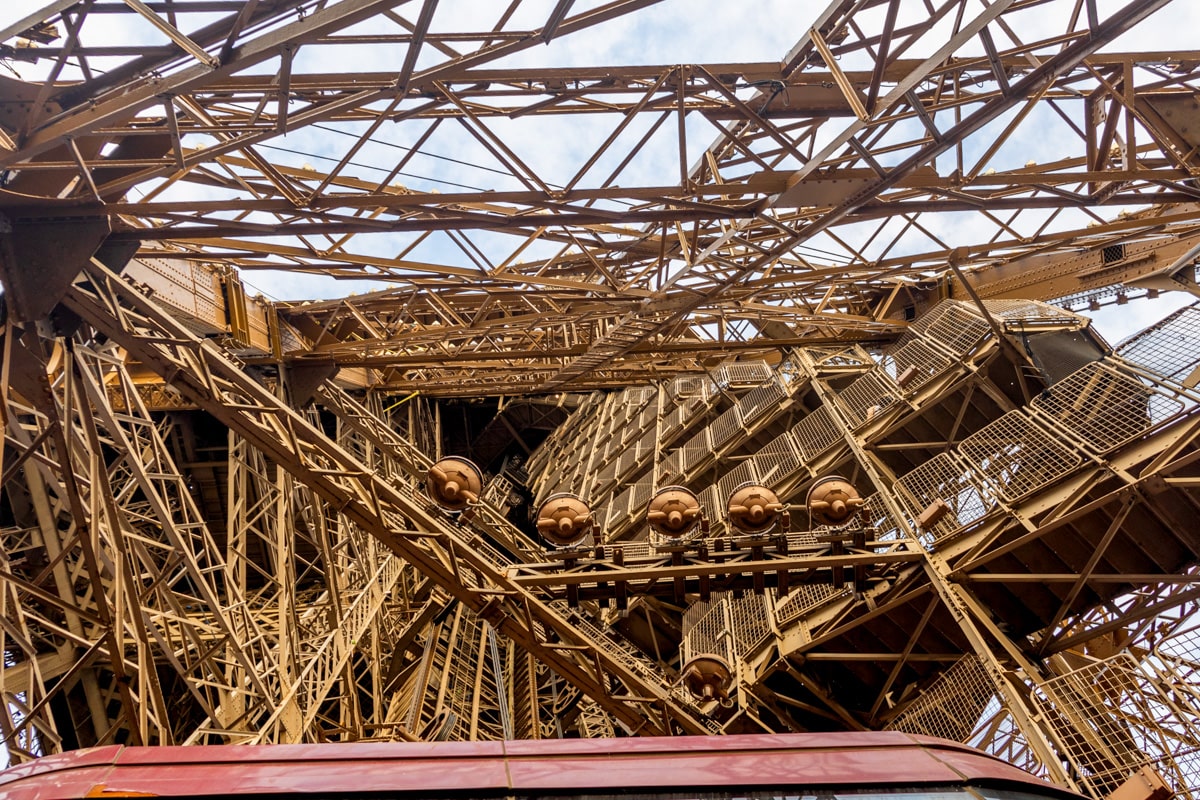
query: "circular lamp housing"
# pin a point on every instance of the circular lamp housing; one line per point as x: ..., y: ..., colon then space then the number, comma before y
x: 564, y: 519
x: 753, y: 508
x: 673, y: 512
x: 833, y: 501
x: 454, y: 482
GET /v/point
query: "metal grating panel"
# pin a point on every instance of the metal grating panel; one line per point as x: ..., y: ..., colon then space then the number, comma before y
x: 628, y: 460
x: 691, y: 386
x: 649, y: 415
x: 638, y: 549
x: 1017, y: 457
x: 731, y: 480
x: 725, y: 428
x: 924, y: 322
x: 1115, y: 716
x: 741, y: 374
x: 816, y: 433
x: 798, y: 540
x: 696, y: 450
x: 904, y: 339
x: 647, y: 446
x: 875, y: 516
x: 671, y: 467
x: 710, y: 502
x: 958, y: 330
x: 1182, y: 650
x: 751, y: 618
x: 707, y: 630
x: 952, y: 706
x: 827, y: 358
x: 760, y: 400
x: 1171, y: 347
x: 1032, y: 311
x: 638, y: 396
x: 607, y: 475
x: 916, y: 363
x: 1105, y: 407
x: 777, y: 461
x: 620, y: 505
x: 868, y: 396
x: 941, y: 478
x: 676, y: 420
x: 639, y: 496
x: 804, y: 599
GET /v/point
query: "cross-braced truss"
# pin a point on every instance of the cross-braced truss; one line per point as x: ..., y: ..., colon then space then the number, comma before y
x: 604, y: 280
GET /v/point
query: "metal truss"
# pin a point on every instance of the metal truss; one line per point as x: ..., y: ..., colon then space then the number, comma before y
x: 214, y: 508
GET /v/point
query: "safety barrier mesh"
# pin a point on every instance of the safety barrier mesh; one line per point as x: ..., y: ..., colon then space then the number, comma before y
x: 706, y: 630
x: 1171, y: 347
x: 836, y: 358
x: 1106, y: 407
x: 816, y: 433
x: 639, y: 495
x: 874, y: 515
x: 1016, y: 456
x: 714, y: 508
x: 741, y: 374
x: 647, y: 446
x: 951, y: 706
x: 648, y: 415
x: 696, y: 450
x: 676, y: 420
x: 629, y: 458
x: 671, y: 467
x: 942, y: 478
x: 934, y: 315
x: 1031, y: 311
x: 957, y: 329
x: 726, y: 427
x: 868, y: 396
x: 690, y: 386
x: 761, y: 400
x: 777, y: 461
x: 804, y: 599
x: 740, y: 474
x: 1115, y: 716
x: 751, y: 618
x: 913, y: 364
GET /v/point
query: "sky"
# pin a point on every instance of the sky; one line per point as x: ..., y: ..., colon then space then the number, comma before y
x: 673, y: 31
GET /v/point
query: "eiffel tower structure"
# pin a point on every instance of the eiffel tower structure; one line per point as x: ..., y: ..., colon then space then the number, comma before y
x: 735, y: 397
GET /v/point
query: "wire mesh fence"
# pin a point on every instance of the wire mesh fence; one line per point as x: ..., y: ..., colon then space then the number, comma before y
x: 943, y: 479
x: 1016, y: 456
x: 1114, y: 716
x: 1170, y: 347
x: 1107, y: 408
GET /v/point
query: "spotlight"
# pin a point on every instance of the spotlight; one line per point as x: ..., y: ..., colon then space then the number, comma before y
x: 453, y: 483
x: 833, y: 501
x: 753, y: 509
x: 564, y: 519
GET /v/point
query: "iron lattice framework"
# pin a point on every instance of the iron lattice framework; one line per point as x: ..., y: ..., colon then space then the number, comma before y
x: 214, y: 515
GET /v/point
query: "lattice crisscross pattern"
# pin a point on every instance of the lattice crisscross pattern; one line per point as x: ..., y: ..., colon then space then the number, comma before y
x: 816, y: 433
x: 951, y: 706
x: 942, y: 478
x: 1016, y: 456
x: 1106, y: 407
